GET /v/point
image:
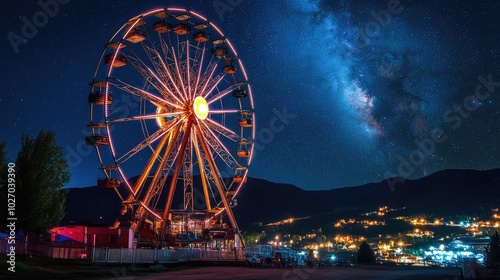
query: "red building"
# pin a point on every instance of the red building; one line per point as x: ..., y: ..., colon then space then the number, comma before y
x: 94, y: 236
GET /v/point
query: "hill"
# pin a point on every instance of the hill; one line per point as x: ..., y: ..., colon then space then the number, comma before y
x: 444, y: 192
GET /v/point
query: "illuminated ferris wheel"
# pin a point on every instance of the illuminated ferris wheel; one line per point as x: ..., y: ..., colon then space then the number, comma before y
x: 170, y: 101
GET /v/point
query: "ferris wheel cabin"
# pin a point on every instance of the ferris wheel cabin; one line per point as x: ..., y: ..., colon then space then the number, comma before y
x: 118, y: 61
x: 108, y: 182
x: 229, y: 69
x: 136, y: 35
x: 97, y: 140
x: 201, y: 37
x: 239, y: 93
x: 238, y: 179
x: 219, y: 52
x: 245, y: 123
x: 162, y: 27
x: 181, y: 29
x: 99, y: 98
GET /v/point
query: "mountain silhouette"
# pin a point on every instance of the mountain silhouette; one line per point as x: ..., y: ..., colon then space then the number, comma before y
x: 445, y: 192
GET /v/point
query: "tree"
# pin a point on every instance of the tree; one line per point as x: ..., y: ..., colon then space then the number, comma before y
x: 493, y: 252
x: 41, y: 172
x: 365, y: 253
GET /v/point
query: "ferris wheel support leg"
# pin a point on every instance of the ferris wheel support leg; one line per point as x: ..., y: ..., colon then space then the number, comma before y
x: 202, y: 173
x: 212, y: 165
x: 142, y: 178
x: 173, y: 183
x: 149, y: 166
x: 150, y: 191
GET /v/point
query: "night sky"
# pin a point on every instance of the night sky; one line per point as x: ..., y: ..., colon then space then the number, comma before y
x: 361, y: 91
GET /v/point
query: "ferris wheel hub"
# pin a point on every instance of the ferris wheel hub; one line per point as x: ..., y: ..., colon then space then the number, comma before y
x: 200, y: 107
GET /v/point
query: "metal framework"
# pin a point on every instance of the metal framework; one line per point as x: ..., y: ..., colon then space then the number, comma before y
x: 170, y: 101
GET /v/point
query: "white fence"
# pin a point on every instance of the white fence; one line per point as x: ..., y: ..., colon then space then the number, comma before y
x: 268, y: 251
x: 262, y: 250
x: 124, y: 255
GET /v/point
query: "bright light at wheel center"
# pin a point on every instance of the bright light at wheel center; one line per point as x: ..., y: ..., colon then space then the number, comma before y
x: 200, y: 107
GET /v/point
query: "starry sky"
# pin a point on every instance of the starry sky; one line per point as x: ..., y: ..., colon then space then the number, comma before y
x: 360, y: 91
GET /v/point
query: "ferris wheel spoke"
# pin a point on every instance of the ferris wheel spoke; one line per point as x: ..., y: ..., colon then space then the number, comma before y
x: 198, y: 76
x: 142, y: 69
x: 179, y: 75
x: 175, y: 91
x: 223, y: 130
x: 219, y: 147
x: 143, y: 94
x: 151, y: 76
x: 157, y: 61
x: 221, y: 94
x: 188, y: 72
x: 148, y: 117
x: 214, y: 83
x: 224, y: 111
x: 146, y: 142
x: 206, y: 78
x: 165, y: 86
x: 164, y: 47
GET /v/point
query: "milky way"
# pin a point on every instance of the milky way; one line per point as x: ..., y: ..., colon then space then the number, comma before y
x: 398, y: 72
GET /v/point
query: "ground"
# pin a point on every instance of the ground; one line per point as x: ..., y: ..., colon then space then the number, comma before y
x: 39, y: 269
x: 360, y: 272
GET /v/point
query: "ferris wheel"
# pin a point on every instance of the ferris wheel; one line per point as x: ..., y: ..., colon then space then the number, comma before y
x: 172, y: 120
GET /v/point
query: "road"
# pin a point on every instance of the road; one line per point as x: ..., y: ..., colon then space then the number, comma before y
x: 245, y: 273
